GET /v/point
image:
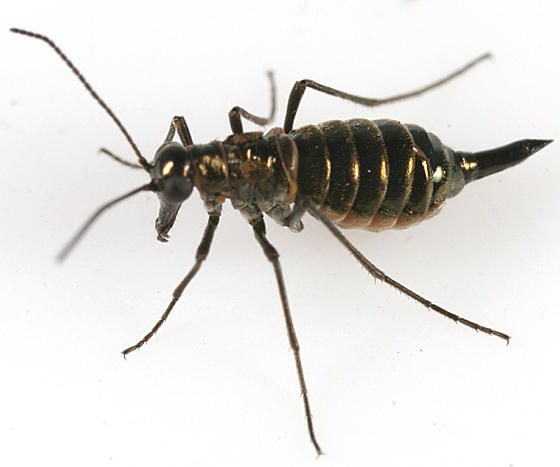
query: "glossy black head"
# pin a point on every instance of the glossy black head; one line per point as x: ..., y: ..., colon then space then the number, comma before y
x: 172, y: 173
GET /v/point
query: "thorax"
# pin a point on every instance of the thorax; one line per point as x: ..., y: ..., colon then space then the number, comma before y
x: 249, y: 168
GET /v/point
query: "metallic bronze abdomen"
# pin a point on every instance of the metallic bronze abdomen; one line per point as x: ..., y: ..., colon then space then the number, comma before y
x: 374, y: 175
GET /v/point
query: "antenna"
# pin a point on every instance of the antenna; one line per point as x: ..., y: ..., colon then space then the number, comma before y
x: 80, y: 233
x: 143, y: 162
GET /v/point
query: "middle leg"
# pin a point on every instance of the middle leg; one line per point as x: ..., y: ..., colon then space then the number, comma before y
x: 237, y: 112
x: 272, y: 255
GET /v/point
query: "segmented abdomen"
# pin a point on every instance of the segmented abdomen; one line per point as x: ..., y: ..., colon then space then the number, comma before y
x: 377, y: 174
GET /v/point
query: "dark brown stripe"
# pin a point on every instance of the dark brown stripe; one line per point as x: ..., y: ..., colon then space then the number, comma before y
x: 399, y: 145
x: 285, y: 161
x: 313, y: 165
x: 420, y: 195
x: 344, y: 178
x: 374, y: 175
x: 439, y: 161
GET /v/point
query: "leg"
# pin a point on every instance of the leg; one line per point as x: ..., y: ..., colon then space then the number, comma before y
x: 272, y: 255
x: 236, y: 113
x: 201, y: 254
x: 312, y: 207
x: 177, y: 124
x: 300, y: 86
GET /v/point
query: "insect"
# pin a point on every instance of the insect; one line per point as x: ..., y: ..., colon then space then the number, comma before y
x: 359, y: 173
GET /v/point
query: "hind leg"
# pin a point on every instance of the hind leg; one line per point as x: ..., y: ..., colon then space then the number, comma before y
x: 300, y: 87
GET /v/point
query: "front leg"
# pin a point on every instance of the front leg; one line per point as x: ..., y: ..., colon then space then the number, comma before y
x: 179, y: 124
x: 201, y: 254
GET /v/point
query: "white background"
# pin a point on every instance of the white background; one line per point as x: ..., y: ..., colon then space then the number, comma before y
x: 391, y: 384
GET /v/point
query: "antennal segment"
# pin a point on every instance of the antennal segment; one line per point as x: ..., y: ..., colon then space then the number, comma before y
x: 80, y: 233
x: 143, y: 162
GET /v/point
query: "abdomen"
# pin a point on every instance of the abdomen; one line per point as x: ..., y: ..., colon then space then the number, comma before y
x: 377, y: 174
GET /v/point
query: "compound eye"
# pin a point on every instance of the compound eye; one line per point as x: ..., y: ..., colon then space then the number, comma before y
x: 175, y: 190
x: 171, y: 171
